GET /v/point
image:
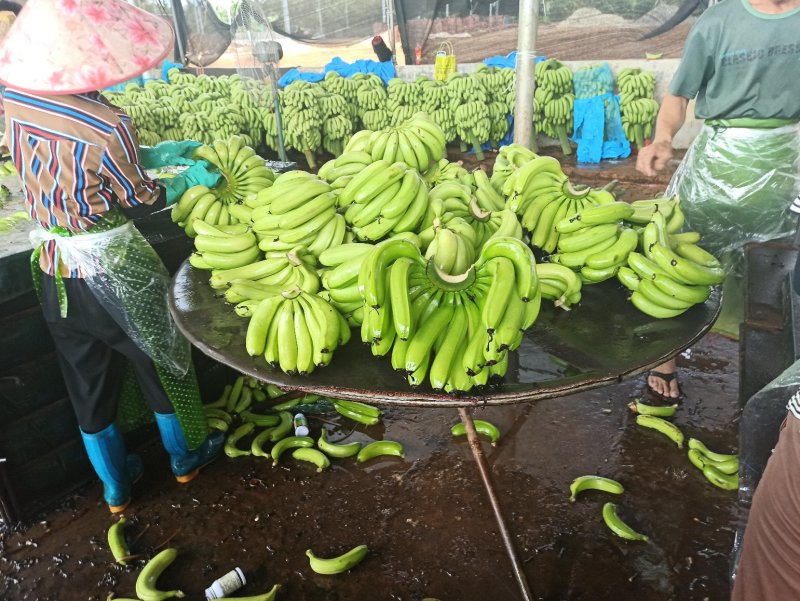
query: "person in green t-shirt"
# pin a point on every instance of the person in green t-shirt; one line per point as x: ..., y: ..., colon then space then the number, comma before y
x: 737, y: 181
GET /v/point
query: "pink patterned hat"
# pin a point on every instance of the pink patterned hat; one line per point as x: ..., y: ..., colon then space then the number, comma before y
x: 76, y: 46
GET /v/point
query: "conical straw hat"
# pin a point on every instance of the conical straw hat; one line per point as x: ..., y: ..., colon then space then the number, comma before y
x: 76, y: 46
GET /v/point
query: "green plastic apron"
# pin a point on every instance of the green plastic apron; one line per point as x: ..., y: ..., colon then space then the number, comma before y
x: 128, y: 278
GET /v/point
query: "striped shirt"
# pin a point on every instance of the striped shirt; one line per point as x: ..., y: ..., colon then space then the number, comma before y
x: 78, y: 157
x: 794, y: 404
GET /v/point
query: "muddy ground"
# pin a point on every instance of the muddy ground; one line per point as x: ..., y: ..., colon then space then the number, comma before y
x: 426, y: 518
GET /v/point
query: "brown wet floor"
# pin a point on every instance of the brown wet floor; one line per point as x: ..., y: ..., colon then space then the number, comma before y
x: 426, y: 518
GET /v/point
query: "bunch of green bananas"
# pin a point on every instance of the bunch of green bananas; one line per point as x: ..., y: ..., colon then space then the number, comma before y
x: 298, y: 210
x: 445, y: 119
x: 376, y: 119
x: 302, y: 119
x: 337, y: 126
x: 346, y: 88
x: 339, y: 171
x: 223, y: 246
x: 498, y: 122
x: 383, y: 199
x: 199, y: 203
x: 444, y: 171
x: 638, y: 106
x: 417, y: 142
x: 452, y: 245
x: 404, y: 94
x: 460, y: 326
x: 594, y: 242
x: 243, y: 171
x: 542, y: 196
x: 473, y: 126
x: 401, y: 114
x: 192, y: 107
x: 340, y: 280
x: 553, y: 101
x: 434, y: 95
x: 670, y: 274
x: 7, y: 168
x: 296, y: 331
x: 722, y: 470
x: 559, y: 284
x: 509, y: 158
x: 277, y: 270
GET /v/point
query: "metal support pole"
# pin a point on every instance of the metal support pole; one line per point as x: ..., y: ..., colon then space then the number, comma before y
x: 273, y: 76
x: 486, y: 476
x: 526, y: 48
x: 179, y: 22
x: 390, y: 19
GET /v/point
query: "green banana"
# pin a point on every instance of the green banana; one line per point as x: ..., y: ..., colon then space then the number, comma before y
x: 717, y: 457
x: 116, y: 541
x: 483, y: 427
x: 380, y: 448
x: 290, y: 442
x: 337, y: 450
x: 582, y: 483
x: 146, y: 582
x: 617, y: 526
x: 656, y: 410
x: 314, y: 456
x: 337, y: 565
x: 231, y: 450
x: 668, y: 429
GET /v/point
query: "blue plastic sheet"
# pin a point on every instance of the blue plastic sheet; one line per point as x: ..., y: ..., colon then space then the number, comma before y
x: 295, y: 74
x: 383, y: 70
x: 509, y: 61
x: 598, y: 129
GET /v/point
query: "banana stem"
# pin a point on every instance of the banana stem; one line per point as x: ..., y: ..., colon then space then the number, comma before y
x: 463, y: 146
x: 476, y: 145
x: 310, y: 158
x: 566, y: 148
x: 638, y: 135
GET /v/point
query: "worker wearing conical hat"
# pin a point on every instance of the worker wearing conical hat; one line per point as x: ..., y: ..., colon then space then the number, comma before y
x: 102, y: 287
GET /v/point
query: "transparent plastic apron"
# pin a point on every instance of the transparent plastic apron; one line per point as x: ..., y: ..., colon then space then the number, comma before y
x: 129, y: 280
x: 736, y: 185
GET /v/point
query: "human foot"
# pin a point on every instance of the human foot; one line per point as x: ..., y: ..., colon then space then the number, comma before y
x: 663, y: 381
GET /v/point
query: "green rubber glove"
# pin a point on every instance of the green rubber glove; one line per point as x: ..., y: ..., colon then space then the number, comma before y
x: 174, y: 187
x: 196, y: 175
x: 199, y: 174
x: 168, y: 153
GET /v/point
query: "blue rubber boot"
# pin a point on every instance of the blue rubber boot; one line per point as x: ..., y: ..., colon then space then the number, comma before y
x: 186, y: 464
x: 116, y: 469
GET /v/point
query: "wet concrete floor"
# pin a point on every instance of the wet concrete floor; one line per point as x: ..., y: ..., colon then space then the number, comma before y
x: 426, y: 518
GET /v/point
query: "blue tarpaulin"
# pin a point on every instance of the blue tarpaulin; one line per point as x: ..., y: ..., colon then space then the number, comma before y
x: 509, y: 61
x: 598, y: 129
x: 383, y: 70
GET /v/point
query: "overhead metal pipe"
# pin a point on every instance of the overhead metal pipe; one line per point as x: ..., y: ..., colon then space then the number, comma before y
x: 526, y: 59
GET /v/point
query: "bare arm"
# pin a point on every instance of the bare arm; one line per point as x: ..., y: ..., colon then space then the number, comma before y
x: 670, y: 119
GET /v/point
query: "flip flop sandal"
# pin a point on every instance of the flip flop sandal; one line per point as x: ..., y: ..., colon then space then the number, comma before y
x: 667, y: 378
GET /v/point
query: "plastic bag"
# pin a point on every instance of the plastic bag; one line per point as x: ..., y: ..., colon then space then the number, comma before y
x: 445, y: 62
x: 597, y: 122
x: 736, y: 186
x: 127, y: 277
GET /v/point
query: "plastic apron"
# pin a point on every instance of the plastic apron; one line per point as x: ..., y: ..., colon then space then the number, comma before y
x: 129, y: 280
x: 736, y: 185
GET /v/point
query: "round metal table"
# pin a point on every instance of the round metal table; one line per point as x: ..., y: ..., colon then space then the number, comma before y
x: 603, y: 340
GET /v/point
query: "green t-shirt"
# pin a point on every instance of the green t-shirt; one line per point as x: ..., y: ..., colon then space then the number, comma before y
x: 742, y: 64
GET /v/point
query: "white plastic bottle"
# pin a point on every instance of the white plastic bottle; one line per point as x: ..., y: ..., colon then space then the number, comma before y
x: 225, y: 585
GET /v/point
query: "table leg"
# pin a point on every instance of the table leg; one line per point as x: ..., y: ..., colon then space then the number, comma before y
x: 486, y: 476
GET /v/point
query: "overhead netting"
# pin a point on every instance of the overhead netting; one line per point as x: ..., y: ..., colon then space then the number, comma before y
x: 312, y: 32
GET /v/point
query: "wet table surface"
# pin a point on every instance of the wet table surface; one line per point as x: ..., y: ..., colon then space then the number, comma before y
x: 602, y: 340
